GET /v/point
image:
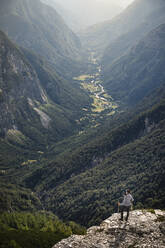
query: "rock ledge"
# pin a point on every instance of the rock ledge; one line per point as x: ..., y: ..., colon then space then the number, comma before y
x: 143, y: 229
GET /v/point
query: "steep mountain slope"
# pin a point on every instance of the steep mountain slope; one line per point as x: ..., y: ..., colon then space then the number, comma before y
x: 134, y: 75
x: 68, y: 14
x: 124, y: 42
x: 63, y: 92
x: 37, y: 108
x: 84, y: 183
x: 124, y: 30
x: 91, y: 196
x: 20, y: 89
x: 22, y: 124
x: 38, y: 27
x: 35, y: 104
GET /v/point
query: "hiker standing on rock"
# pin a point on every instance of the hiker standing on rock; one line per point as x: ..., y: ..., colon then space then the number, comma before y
x: 126, y: 204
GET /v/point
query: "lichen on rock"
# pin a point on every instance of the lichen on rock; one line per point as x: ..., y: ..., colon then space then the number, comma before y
x: 143, y: 229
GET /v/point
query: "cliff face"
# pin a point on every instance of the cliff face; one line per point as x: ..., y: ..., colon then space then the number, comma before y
x: 19, y: 86
x: 143, y: 229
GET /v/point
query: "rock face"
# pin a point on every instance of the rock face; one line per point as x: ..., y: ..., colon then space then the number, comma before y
x: 18, y: 84
x: 143, y: 229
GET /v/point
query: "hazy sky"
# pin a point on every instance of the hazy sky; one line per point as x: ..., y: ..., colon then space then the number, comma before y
x: 122, y: 3
x: 82, y: 13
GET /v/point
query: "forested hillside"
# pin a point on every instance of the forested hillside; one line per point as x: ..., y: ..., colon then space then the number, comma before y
x: 84, y: 173
x: 34, y: 114
x: 30, y: 230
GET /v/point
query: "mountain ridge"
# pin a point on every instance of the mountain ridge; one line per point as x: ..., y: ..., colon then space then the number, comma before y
x: 124, y: 42
x: 135, y: 16
x: 139, y: 71
x: 30, y: 24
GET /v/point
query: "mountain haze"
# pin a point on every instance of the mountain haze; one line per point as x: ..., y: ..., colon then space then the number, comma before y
x: 84, y: 13
x: 72, y: 20
x: 38, y: 27
x: 119, y: 46
x: 140, y: 71
x: 140, y: 17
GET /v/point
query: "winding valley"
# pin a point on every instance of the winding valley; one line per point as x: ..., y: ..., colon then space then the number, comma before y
x: 102, y: 105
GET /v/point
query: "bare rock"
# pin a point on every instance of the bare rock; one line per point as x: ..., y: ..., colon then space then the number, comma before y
x: 143, y: 229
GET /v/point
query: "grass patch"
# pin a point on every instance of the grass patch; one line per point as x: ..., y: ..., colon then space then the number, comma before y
x: 160, y: 218
x: 111, y: 113
x: 107, y: 96
x: 98, y: 105
x: 83, y: 77
x: 29, y: 162
x: 90, y: 87
x: 114, y: 106
x: 152, y: 211
x: 16, y: 137
x: 99, y: 230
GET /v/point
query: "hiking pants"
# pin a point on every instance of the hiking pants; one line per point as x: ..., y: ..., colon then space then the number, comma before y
x: 124, y: 208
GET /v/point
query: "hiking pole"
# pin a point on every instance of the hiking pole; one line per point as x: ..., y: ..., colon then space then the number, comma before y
x: 118, y: 206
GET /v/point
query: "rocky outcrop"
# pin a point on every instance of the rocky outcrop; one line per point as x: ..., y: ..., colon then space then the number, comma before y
x: 149, y: 125
x: 143, y: 229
